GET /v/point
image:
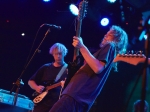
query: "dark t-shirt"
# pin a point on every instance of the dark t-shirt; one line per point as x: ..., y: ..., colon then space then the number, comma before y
x: 46, y: 75
x: 85, y: 85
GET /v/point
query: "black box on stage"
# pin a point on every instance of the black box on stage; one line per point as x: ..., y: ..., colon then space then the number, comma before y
x: 23, y: 103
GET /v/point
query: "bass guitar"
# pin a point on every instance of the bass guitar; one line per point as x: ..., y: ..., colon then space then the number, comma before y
x: 77, y: 60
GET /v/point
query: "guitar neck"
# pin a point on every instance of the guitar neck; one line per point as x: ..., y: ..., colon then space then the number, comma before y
x: 53, y: 86
x: 78, y: 32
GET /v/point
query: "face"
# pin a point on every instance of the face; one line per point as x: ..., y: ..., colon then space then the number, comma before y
x: 58, y: 56
x: 107, y: 38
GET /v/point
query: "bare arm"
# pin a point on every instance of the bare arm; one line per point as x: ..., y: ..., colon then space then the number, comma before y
x: 96, y: 65
x: 33, y: 85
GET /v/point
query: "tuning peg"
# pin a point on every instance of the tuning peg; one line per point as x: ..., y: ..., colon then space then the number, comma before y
x: 128, y: 52
x: 123, y: 54
x: 119, y: 55
x: 141, y: 53
x: 136, y: 53
x: 132, y: 52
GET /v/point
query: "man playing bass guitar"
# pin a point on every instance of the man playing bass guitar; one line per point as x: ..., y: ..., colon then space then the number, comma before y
x: 88, y: 81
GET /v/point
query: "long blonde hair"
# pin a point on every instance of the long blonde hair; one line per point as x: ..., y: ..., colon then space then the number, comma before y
x: 120, y: 41
x: 121, y: 38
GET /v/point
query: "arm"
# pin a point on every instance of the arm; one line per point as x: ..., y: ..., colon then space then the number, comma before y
x: 96, y: 65
x: 35, y: 80
x: 33, y: 85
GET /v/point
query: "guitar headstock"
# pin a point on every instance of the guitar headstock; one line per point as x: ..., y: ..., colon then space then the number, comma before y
x: 82, y: 9
x: 133, y: 59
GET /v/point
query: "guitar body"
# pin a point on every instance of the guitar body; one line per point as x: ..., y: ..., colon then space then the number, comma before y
x: 40, y: 96
x: 77, y: 59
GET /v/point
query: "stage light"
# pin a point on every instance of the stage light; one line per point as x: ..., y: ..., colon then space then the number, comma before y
x: 23, y: 34
x: 74, y: 10
x: 111, y: 1
x: 149, y: 21
x: 46, y: 0
x: 145, y: 37
x: 104, y: 22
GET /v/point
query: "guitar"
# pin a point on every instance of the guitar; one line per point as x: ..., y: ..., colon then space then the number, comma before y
x: 132, y: 59
x: 77, y: 60
x: 39, y: 96
x: 81, y: 15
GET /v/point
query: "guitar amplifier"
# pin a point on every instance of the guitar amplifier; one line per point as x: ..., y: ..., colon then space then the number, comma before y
x: 22, y: 101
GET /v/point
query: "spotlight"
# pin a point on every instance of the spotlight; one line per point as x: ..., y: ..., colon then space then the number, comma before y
x: 46, y: 0
x: 145, y: 37
x: 23, y: 34
x: 111, y: 1
x: 74, y: 10
x: 104, y: 22
x: 149, y: 21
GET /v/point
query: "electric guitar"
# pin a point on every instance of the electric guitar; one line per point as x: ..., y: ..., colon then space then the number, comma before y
x: 39, y: 96
x: 77, y: 60
x: 132, y: 59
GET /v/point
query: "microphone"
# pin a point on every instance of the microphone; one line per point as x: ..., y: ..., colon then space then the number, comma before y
x: 53, y: 26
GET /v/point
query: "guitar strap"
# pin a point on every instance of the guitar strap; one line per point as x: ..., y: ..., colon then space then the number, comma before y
x: 61, y: 72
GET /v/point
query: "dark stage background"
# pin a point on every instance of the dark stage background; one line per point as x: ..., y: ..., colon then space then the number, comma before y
x: 27, y: 16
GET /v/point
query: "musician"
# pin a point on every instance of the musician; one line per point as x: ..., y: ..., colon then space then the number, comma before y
x: 47, y: 74
x: 88, y: 81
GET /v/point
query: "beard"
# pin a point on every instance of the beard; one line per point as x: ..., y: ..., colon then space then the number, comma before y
x: 103, y: 43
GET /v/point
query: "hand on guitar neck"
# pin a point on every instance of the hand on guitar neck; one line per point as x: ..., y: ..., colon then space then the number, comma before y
x: 132, y: 59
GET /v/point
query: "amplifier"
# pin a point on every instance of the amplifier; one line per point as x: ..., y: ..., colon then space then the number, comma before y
x: 8, y: 99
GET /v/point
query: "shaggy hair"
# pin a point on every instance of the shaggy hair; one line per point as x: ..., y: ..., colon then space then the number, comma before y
x: 60, y: 47
x: 120, y: 41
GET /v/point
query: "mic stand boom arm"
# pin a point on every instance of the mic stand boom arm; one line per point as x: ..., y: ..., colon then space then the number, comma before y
x: 19, y: 83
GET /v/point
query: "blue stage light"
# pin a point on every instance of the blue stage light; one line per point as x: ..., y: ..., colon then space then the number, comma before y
x: 111, y: 1
x: 104, y: 22
x: 74, y: 10
x: 46, y: 0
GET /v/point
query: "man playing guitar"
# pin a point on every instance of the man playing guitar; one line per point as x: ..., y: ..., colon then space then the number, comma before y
x: 49, y: 74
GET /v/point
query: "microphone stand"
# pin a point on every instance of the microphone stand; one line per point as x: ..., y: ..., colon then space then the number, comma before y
x: 145, y: 71
x: 19, y: 83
